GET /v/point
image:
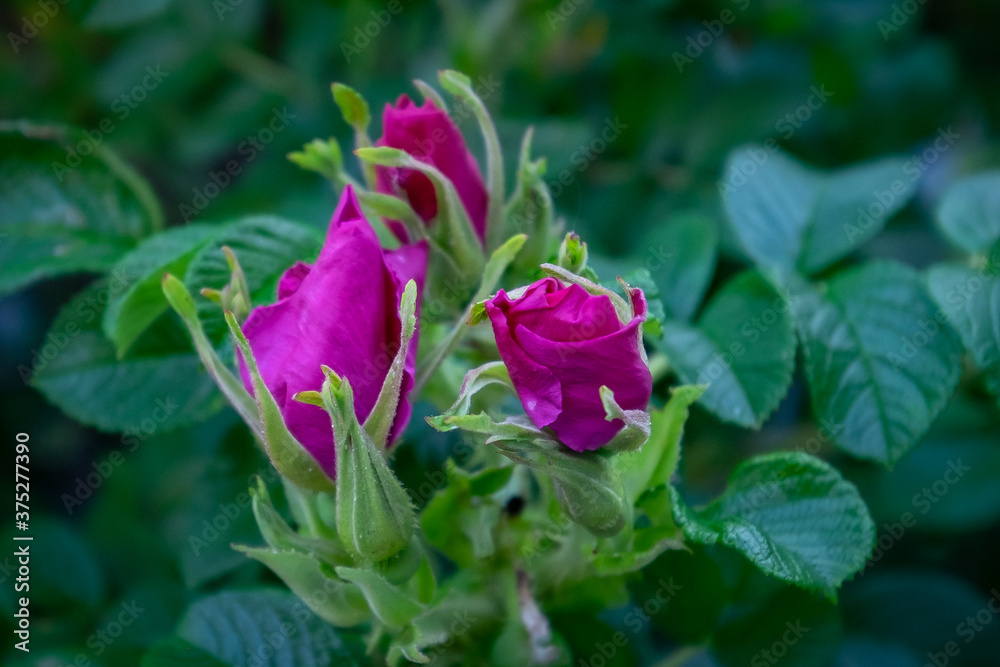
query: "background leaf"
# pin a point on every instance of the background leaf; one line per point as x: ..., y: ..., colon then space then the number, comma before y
x: 159, y: 385
x: 265, y: 246
x: 969, y: 214
x: 62, y: 218
x: 131, y: 310
x: 880, y: 365
x: 176, y: 652
x: 271, y: 625
x: 970, y: 298
x: 681, y: 259
x: 790, y: 216
x: 743, y: 347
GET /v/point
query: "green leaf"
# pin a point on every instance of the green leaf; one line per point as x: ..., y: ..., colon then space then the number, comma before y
x: 490, y: 480
x: 852, y: 207
x: 880, y: 367
x: 681, y: 261
x: 131, y: 310
x: 969, y: 214
x: 743, y: 348
x: 59, y: 218
x: 790, y: 514
x: 461, y: 517
x: 177, y: 652
x: 265, y: 246
x: 970, y: 298
x: 158, y: 385
x: 459, y: 615
x: 788, y: 215
x: 273, y: 628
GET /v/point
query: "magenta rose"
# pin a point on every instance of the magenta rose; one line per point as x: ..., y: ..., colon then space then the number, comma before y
x: 560, y: 345
x: 429, y: 134
x: 342, y: 312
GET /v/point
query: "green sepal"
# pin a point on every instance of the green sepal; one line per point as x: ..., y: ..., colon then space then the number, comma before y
x: 634, y: 433
x: 400, y: 568
x: 477, y: 313
x: 380, y: 420
x: 232, y: 388
x: 394, y: 208
x: 489, y: 374
x: 280, y: 537
x: 287, y: 454
x: 430, y: 94
x: 460, y: 86
x: 325, y: 158
x: 530, y: 209
x: 588, y: 487
x: 454, y: 231
x: 572, y: 256
x: 655, y: 463
x: 337, y: 602
x: 375, y: 518
x: 392, y: 606
x: 355, y: 110
x: 235, y: 296
x: 623, y: 308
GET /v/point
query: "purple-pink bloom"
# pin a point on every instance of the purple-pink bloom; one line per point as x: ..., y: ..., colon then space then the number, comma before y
x: 560, y: 345
x: 342, y: 312
x: 429, y: 134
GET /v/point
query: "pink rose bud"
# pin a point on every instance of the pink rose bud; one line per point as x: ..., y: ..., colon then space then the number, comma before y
x: 429, y: 134
x: 560, y: 345
x: 342, y: 312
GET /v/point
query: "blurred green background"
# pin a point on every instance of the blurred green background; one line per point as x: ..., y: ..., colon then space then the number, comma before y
x: 182, y: 87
